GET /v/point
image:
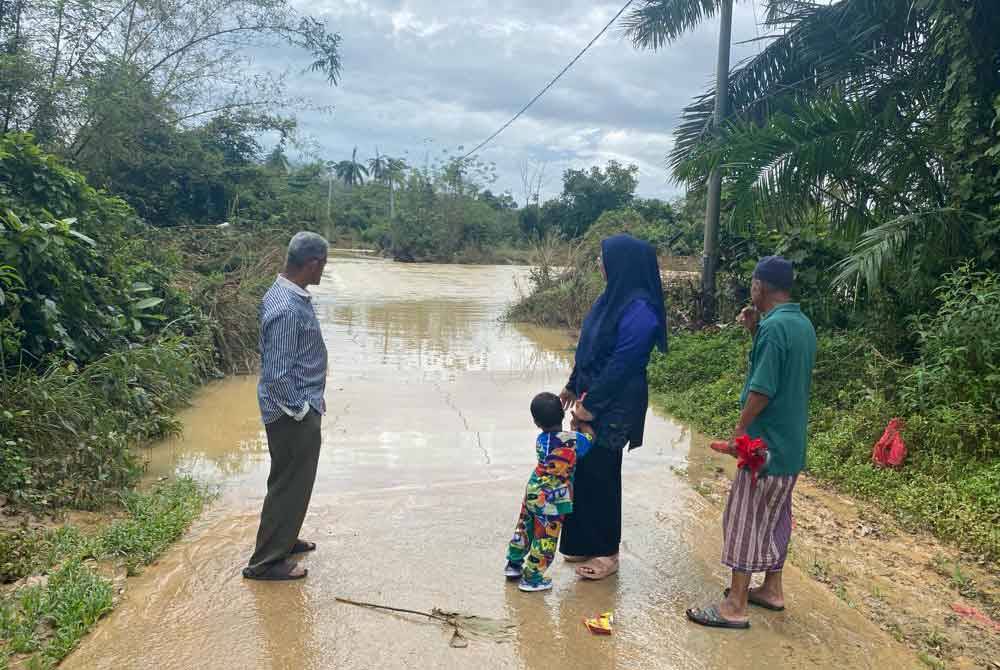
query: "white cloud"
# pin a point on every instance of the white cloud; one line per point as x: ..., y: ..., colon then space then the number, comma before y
x: 454, y: 71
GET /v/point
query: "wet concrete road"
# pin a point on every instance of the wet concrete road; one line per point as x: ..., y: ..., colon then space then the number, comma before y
x: 427, y: 446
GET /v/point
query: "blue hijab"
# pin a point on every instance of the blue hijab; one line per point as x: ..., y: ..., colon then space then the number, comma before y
x: 633, y: 274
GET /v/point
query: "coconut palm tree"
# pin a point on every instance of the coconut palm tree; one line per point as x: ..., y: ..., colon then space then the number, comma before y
x: 395, y: 173
x: 351, y: 172
x: 377, y: 166
x: 654, y: 24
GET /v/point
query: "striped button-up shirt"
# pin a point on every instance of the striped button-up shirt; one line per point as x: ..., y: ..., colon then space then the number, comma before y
x: 293, y: 354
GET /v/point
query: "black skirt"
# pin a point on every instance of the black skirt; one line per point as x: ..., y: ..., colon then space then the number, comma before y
x: 595, y: 526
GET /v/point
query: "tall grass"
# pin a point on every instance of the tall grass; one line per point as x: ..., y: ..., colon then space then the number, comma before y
x: 66, y: 433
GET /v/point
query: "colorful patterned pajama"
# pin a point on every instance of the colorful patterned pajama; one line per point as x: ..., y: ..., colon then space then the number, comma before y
x: 534, y: 543
x: 548, y: 498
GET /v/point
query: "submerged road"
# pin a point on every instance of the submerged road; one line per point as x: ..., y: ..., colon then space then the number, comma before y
x: 427, y: 445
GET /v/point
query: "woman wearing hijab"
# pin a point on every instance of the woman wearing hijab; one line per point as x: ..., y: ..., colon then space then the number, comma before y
x: 609, y: 388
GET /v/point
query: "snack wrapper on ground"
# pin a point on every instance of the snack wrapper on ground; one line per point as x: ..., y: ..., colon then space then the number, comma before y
x: 600, y: 624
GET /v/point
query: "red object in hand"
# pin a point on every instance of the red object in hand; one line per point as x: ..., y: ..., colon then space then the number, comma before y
x: 890, y: 450
x: 751, y: 454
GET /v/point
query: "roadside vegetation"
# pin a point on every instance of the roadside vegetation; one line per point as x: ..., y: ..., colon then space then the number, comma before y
x: 74, y: 576
x: 140, y: 223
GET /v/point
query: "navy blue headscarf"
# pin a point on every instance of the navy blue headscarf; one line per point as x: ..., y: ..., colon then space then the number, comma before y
x: 633, y: 273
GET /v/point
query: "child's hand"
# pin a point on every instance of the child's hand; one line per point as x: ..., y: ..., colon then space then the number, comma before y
x: 567, y: 398
x: 580, y: 413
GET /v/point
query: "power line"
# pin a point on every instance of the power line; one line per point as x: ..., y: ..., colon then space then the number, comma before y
x: 551, y: 83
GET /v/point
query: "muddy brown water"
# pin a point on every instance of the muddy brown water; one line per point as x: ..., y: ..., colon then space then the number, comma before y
x: 427, y: 445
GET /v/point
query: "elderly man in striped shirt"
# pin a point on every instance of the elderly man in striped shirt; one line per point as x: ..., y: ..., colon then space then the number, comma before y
x: 290, y: 392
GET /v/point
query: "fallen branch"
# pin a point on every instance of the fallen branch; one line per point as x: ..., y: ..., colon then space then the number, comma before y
x: 462, y: 625
x: 429, y: 615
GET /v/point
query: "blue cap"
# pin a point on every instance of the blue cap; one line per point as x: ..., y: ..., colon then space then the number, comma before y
x: 776, y: 271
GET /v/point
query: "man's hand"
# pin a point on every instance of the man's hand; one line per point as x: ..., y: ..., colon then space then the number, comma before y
x: 723, y: 447
x: 567, y: 398
x: 728, y: 448
x: 749, y: 318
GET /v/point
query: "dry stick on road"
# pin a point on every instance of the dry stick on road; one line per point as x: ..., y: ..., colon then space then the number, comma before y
x: 462, y: 625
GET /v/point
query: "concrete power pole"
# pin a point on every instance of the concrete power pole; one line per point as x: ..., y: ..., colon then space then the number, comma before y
x: 710, y: 260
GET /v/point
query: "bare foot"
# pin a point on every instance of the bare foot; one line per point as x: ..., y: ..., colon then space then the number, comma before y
x: 600, y: 567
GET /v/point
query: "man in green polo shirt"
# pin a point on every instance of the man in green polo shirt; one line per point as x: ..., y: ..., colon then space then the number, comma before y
x: 757, y: 523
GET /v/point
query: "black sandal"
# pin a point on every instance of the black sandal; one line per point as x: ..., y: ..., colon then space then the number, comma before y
x: 303, y: 547
x: 710, y: 616
x: 277, y: 572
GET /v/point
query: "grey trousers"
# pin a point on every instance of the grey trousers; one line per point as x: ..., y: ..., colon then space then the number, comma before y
x: 294, y: 447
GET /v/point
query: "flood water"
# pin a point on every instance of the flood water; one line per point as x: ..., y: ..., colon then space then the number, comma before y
x: 427, y: 445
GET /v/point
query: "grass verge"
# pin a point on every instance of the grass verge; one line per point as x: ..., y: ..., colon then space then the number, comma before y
x: 61, y: 587
x: 950, y: 482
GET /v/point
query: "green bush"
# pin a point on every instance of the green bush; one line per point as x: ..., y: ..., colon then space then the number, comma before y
x: 68, y: 431
x: 77, y: 283
x: 959, y: 345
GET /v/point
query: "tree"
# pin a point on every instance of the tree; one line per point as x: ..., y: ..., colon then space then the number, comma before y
x: 395, y: 176
x: 532, y: 178
x: 657, y: 23
x: 90, y: 69
x: 389, y: 171
x: 351, y: 172
x: 883, y: 118
x: 277, y: 161
x: 587, y: 194
x: 378, y: 166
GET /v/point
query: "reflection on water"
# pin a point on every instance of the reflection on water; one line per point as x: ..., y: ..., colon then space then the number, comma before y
x: 383, y: 322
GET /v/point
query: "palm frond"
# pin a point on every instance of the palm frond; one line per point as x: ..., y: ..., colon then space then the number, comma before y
x: 891, y: 243
x: 656, y: 23
x: 849, y: 46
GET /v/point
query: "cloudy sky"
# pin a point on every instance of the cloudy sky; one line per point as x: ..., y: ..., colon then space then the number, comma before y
x: 422, y: 77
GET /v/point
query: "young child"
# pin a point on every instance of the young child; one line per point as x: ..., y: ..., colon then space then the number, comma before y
x: 548, y: 497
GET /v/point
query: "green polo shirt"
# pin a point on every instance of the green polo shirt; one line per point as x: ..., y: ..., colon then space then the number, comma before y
x: 781, y: 365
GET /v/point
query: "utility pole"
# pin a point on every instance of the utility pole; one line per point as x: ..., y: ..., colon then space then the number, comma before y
x: 710, y: 260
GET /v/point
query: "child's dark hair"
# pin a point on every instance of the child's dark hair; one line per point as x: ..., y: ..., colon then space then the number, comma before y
x: 547, y: 410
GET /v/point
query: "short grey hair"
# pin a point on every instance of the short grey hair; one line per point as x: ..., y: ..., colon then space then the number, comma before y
x: 306, y: 247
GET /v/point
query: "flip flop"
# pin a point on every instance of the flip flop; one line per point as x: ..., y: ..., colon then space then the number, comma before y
x: 302, y: 547
x: 759, y: 602
x: 278, y: 572
x: 608, y: 567
x: 709, y: 616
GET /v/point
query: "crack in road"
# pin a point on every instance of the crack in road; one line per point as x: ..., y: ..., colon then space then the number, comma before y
x: 479, y: 439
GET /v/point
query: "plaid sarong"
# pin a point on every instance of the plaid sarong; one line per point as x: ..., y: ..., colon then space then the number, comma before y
x: 757, y: 524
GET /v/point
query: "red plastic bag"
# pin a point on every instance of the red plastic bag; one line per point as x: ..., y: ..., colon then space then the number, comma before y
x: 890, y: 450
